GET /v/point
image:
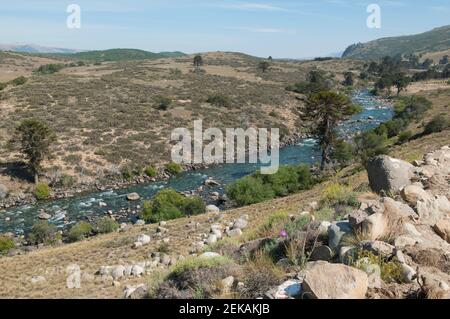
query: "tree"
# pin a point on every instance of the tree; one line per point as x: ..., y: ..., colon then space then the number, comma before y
x: 401, y: 81
x: 446, y: 72
x: 35, y: 139
x: 270, y: 58
x: 427, y: 63
x: 198, y: 61
x: 327, y: 109
x: 349, y: 79
x: 444, y: 60
x: 263, y: 66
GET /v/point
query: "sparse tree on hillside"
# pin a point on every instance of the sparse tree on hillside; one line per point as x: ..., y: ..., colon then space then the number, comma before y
x: 34, y: 139
x: 198, y: 61
x: 326, y: 109
x: 263, y: 66
x: 401, y: 82
x: 270, y: 58
x: 349, y: 79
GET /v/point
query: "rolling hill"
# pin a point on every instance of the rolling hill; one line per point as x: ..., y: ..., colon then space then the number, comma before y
x: 122, y: 55
x: 32, y: 48
x: 432, y: 41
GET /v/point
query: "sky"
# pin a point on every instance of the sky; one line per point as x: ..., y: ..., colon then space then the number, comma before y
x: 282, y: 29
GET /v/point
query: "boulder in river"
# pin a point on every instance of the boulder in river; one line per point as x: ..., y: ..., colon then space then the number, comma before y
x: 133, y: 197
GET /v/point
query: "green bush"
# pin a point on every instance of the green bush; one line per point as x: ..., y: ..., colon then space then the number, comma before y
x: 43, y: 233
x: 106, y: 225
x: 258, y: 187
x: 437, y: 124
x: 392, y: 128
x: 79, y: 231
x: 343, y: 152
x: 150, y: 171
x: 169, y: 204
x: 6, y: 244
x: 19, y: 81
x: 174, y: 168
x: 370, y: 144
x: 405, y: 136
x: 298, y: 224
x: 42, y: 191
x: 162, y: 103
x: 50, y: 68
x: 412, y: 108
x: 219, y: 100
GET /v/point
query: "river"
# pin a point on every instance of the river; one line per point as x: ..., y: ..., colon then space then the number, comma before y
x: 87, y: 206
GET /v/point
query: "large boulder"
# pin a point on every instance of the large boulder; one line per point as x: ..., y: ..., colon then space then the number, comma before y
x: 290, y: 289
x: 433, y: 210
x: 323, y: 280
x: 374, y: 226
x: 412, y: 194
x: 389, y: 174
x: 442, y: 228
x: 336, y: 232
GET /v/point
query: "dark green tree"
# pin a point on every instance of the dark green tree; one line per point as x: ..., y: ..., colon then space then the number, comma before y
x: 400, y: 81
x: 349, y: 79
x: 198, y: 61
x: 263, y: 66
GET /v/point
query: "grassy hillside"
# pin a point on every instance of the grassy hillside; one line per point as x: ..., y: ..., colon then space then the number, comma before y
x: 122, y: 55
x: 435, y: 40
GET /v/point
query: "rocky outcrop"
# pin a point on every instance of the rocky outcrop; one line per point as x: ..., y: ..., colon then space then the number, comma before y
x: 389, y: 174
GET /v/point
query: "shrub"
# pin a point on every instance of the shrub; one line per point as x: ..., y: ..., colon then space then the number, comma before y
x: 338, y: 194
x: 412, y: 108
x: 43, y: 233
x: 219, y: 100
x: 42, y: 191
x: 162, y: 103
x: 174, y: 168
x: 150, y: 171
x: 19, y: 81
x: 370, y: 144
x: 79, y: 231
x: 392, y: 128
x: 50, y: 68
x: 128, y: 173
x: 405, y: 136
x: 3, y: 86
x: 325, y: 214
x: 67, y: 181
x: 6, y: 244
x: 299, y: 224
x: 249, y: 190
x: 195, y: 263
x: 343, y: 152
x: 106, y: 225
x: 272, y: 226
x: 390, y: 270
x: 169, y: 204
x: 437, y: 124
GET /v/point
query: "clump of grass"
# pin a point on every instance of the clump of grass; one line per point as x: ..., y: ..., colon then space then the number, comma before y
x: 79, y: 231
x: 195, y: 263
x: 173, y: 168
x: 271, y: 226
x: 6, y: 244
x: 390, y: 269
x: 338, y: 194
x: 325, y: 214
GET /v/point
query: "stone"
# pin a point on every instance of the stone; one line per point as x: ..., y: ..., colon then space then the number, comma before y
x: 412, y: 194
x: 336, y: 232
x: 433, y: 210
x: 251, y: 247
x: 140, y: 222
x: 442, y: 228
x: 209, y: 254
x: 235, y: 232
x: 44, y: 216
x: 403, y: 241
x: 323, y: 280
x: 378, y: 247
x: 136, y: 292
x: 144, y: 239
x: 389, y: 174
x: 290, y: 289
x: 118, y: 272
x: 321, y: 253
x: 133, y: 197
x: 217, y: 233
x: 162, y: 223
x: 374, y: 226
x: 3, y: 191
x: 210, y: 209
x: 210, y: 182
x: 313, y: 206
x: 397, y: 210
x: 408, y: 274
x: 211, y: 239
x: 357, y: 217
x: 37, y: 280
x: 137, y: 270
x: 137, y: 244
x: 347, y: 254
x: 227, y: 284
x: 323, y: 227
x: 240, y: 224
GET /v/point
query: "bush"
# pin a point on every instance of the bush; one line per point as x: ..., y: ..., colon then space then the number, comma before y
x: 405, y: 136
x: 19, y: 81
x: 79, y: 231
x: 437, y: 124
x: 174, y: 168
x: 392, y: 128
x: 50, y: 68
x: 67, y: 181
x: 43, y: 233
x: 169, y: 204
x: 162, y: 103
x: 258, y: 187
x: 150, y: 171
x: 219, y: 100
x: 42, y: 191
x: 3, y: 86
x: 106, y: 225
x: 195, y: 263
x: 370, y: 144
x: 343, y: 152
x: 6, y: 244
x: 338, y: 194
x: 412, y: 108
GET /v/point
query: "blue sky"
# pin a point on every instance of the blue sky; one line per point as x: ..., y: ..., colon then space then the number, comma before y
x: 283, y: 28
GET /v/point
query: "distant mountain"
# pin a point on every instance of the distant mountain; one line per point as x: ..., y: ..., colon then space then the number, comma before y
x: 32, y: 48
x: 122, y: 55
x: 432, y: 41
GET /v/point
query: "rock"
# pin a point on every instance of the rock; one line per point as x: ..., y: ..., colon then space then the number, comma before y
x: 396, y: 210
x: 210, y: 182
x: 37, y: 280
x: 412, y: 194
x: 336, y: 232
x: 389, y: 174
x: 378, y: 247
x: 374, y: 226
x: 3, y: 191
x: 209, y: 254
x: 323, y: 280
x: 323, y: 227
x: 140, y: 222
x: 212, y: 209
x: 211, y: 239
x: 290, y: 289
x: 251, y: 247
x: 144, y: 239
x: 217, y: 233
x: 240, y: 224
x: 137, y: 244
x: 433, y: 210
x: 105, y: 271
x: 442, y: 228
x: 321, y: 253
x: 162, y: 223
x: 408, y: 274
x: 44, y: 216
x: 198, y: 246
x: 347, y: 254
x: 313, y: 206
x: 133, y: 197
x: 355, y: 218
x: 235, y: 232
x: 227, y: 284
x: 137, y: 270
x: 118, y: 272
x: 403, y: 241
x: 136, y: 292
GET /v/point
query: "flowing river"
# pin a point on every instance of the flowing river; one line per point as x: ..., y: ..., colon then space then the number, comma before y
x: 87, y: 206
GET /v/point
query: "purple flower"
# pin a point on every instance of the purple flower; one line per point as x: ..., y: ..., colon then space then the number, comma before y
x: 283, y: 234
